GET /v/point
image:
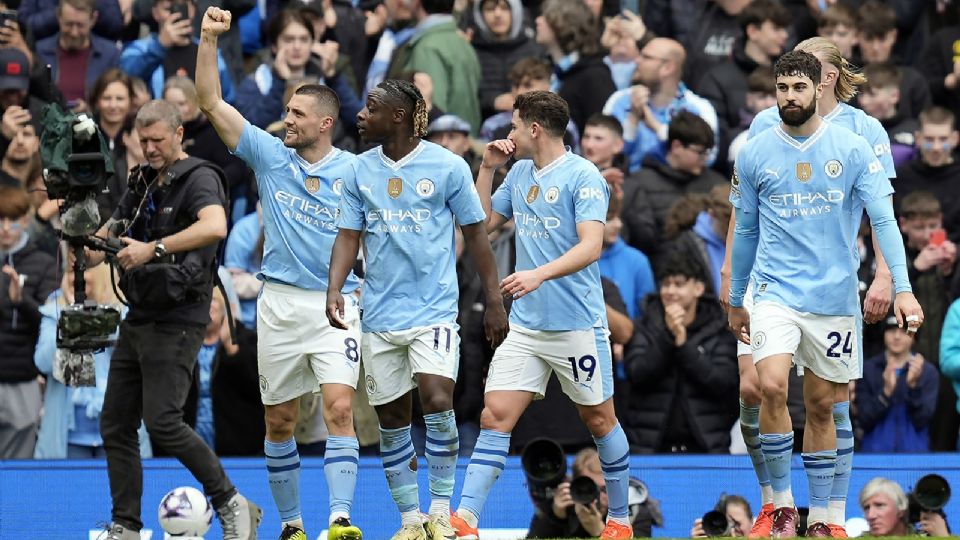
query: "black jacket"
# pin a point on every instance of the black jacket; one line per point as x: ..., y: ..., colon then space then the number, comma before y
x: 586, y: 87
x: 648, y: 195
x: 700, y: 377
x: 20, y: 324
x: 496, y: 60
x: 937, y: 62
x: 709, y: 41
x: 547, y: 525
x: 236, y: 399
x: 916, y: 175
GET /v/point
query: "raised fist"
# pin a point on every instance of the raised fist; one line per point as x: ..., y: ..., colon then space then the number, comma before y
x: 215, y: 21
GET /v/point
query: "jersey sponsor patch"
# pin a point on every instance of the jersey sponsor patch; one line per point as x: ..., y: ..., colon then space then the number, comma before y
x: 804, y: 171
x: 394, y: 187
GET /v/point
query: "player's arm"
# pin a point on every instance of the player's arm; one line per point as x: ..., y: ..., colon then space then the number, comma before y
x: 342, y: 258
x: 584, y: 253
x: 478, y: 245
x: 495, y: 155
x: 877, y: 302
x: 907, y: 310
x: 226, y: 120
x: 743, y: 253
x: 725, y: 268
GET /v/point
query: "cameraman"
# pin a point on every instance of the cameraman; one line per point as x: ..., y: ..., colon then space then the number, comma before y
x: 886, y: 508
x: 171, y: 219
x: 567, y: 519
x: 739, y: 517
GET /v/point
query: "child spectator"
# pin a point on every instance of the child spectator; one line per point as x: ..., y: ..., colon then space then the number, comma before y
x: 838, y: 23
x: 602, y: 144
x: 880, y: 98
x: 761, y: 94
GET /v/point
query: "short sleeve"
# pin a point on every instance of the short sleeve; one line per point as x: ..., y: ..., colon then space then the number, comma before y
x: 502, y: 201
x: 872, y: 182
x: 205, y: 190
x: 462, y: 196
x: 592, y: 197
x: 259, y: 149
x: 880, y: 141
x: 351, y: 215
x: 240, y: 243
x: 743, y: 182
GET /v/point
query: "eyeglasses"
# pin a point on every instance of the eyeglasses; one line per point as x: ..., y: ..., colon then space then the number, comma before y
x: 702, y: 152
x: 646, y: 56
x: 13, y: 224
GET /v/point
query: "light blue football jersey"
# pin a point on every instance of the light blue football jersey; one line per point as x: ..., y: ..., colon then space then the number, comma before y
x: 546, y: 206
x: 406, y: 210
x: 299, y: 201
x: 806, y: 194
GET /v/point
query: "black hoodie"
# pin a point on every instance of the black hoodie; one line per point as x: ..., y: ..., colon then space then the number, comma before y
x: 916, y: 175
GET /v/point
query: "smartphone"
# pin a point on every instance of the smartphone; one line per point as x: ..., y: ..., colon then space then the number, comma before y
x: 938, y: 237
x: 181, y: 8
x: 7, y: 15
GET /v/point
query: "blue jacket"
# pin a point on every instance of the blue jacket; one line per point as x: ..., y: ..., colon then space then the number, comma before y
x: 950, y: 347
x: 260, y: 97
x: 59, y: 400
x: 143, y: 58
x: 900, y: 423
x: 40, y: 16
x: 104, y: 54
x: 630, y: 270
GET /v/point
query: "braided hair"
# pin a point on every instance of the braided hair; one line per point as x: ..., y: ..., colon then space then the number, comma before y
x: 406, y: 94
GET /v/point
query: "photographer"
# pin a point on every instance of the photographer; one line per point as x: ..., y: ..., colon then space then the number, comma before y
x: 888, y: 511
x: 568, y: 519
x: 739, y: 519
x: 170, y: 219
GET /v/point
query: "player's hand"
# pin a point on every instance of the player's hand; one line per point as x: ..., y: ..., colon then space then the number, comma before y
x: 914, y: 370
x: 739, y: 321
x: 215, y: 21
x: 497, y: 153
x: 15, y: 289
x: 933, y: 524
x: 590, y: 518
x: 876, y: 305
x: 518, y: 284
x: 135, y: 253
x: 725, y: 287
x: 495, y: 325
x: 562, y: 500
x: 673, y: 316
x: 335, y: 309
x: 908, y: 312
x: 697, y: 530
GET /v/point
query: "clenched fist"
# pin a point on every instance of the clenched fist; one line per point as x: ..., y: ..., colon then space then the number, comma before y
x: 215, y: 21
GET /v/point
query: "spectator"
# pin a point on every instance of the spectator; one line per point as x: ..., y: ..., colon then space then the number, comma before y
x: 17, y: 105
x: 42, y: 18
x: 568, y: 32
x: 527, y: 75
x: 682, y: 366
x: 885, y: 506
x: 625, y: 266
x: 76, y: 57
x: 172, y: 50
x: 70, y: 427
x: 123, y: 166
x: 111, y: 101
x: 646, y: 109
x: 392, y: 21
x: 437, y: 49
x: 350, y: 32
x: 876, y: 35
x: 838, y: 23
x: 603, y: 142
x: 501, y: 40
x: 649, y: 193
x: 941, y: 67
x: 934, y: 168
x: 761, y: 94
x: 622, y: 36
x: 880, y: 98
x: 764, y: 24
x: 712, y: 36
x: 243, y: 257
x: 896, y: 396
x: 22, y: 158
x: 29, y: 276
x: 291, y: 36
x: 739, y: 517
x: 453, y: 133
x: 702, y: 236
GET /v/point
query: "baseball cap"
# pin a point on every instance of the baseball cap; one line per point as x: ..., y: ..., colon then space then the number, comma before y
x: 448, y: 122
x: 14, y: 69
x: 891, y: 322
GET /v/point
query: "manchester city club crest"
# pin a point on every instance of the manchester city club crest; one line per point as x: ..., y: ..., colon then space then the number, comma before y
x: 425, y: 187
x: 532, y: 194
x: 394, y: 187
x: 338, y: 186
x: 312, y: 183
x: 552, y: 195
x: 804, y: 171
x: 371, y: 385
x: 833, y: 168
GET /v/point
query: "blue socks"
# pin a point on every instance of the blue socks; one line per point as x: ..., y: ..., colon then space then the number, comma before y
x: 442, y: 448
x: 614, y: 453
x: 841, y: 474
x: 340, y: 468
x: 750, y: 427
x: 283, y: 473
x: 819, y: 467
x: 486, y: 464
x: 777, y: 450
x: 400, y: 466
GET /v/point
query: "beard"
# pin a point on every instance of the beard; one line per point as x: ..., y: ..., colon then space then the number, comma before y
x: 300, y: 141
x: 797, y: 117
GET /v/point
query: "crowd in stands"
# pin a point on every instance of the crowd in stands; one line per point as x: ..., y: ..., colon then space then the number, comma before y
x: 661, y: 95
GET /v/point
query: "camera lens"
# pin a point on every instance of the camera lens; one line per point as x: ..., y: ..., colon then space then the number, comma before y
x: 715, y: 523
x: 583, y: 490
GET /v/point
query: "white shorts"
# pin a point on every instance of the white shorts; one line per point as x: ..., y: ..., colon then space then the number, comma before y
x: 742, y: 348
x: 580, y: 358
x: 297, y: 349
x: 825, y: 344
x: 392, y: 360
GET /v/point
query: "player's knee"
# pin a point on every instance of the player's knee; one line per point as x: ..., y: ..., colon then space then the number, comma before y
x: 339, y: 413
x: 280, y: 423
x: 496, y: 419
x: 436, y: 402
x: 819, y: 409
x: 774, y: 391
x: 597, y: 420
x: 750, y: 391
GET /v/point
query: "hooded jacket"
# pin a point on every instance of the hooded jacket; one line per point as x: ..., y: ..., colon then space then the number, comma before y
x: 20, y: 324
x: 917, y: 175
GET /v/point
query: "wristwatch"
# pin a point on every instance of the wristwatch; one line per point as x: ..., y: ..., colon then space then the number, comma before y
x: 159, y: 250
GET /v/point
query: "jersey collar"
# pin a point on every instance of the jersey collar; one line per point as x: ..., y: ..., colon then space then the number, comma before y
x: 313, y: 169
x: 396, y: 165
x: 802, y: 146
x: 538, y: 174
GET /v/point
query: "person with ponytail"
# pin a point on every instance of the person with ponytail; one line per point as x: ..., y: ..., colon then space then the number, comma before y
x: 404, y: 201
x: 840, y: 81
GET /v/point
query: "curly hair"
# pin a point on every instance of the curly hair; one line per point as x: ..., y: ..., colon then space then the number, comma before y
x: 798, y: 63
x: 405, y: 94
x: 573, y: 25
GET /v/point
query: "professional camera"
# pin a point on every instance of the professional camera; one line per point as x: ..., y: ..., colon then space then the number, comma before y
x: 931, y: 494
x: 77, y: 165
x: 545, y: 466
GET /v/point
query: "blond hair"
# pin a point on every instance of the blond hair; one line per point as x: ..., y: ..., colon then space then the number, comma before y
x: 849, y: 77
